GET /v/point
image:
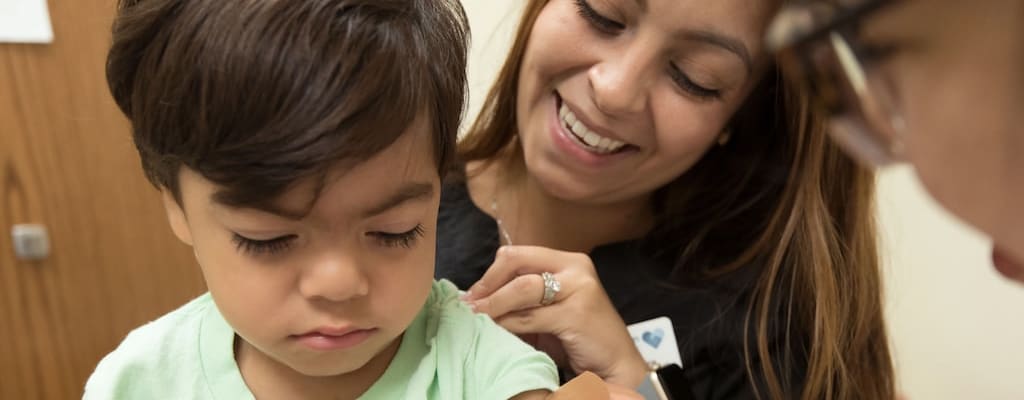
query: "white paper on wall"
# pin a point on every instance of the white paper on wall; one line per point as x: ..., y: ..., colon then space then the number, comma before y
x: 25, y: 21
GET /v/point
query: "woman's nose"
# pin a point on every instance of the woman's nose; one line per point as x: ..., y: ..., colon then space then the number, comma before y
x: 620, y: 85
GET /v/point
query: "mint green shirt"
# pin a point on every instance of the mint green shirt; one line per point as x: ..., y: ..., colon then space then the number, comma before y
x: 447, y: 352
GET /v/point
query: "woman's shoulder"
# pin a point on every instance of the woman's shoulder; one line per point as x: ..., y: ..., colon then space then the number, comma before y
x: 642, y: 286
x: 467, y: 237
x: 708, y: 316
x: 457, y: 192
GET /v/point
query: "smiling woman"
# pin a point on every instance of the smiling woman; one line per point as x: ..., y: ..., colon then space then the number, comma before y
x: 648, y: 156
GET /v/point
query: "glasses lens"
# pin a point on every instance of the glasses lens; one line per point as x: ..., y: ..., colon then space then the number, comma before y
x: 863, y: 120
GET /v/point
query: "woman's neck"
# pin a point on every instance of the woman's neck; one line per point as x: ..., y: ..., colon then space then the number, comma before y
x: 532, y: 216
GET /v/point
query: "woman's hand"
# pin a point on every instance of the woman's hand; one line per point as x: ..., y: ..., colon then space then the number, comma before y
x: 579, y: 328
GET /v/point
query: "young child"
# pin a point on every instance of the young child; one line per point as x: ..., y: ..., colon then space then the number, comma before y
x: 299, y: 146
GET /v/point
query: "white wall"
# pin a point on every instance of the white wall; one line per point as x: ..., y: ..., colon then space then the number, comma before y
x: 493, y: 24
x: 956, y: 327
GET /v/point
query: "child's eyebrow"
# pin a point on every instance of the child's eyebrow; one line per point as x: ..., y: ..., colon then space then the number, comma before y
x: 412, y: 191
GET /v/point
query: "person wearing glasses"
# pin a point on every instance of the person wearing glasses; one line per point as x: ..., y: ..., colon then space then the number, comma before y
x: 938, y: 84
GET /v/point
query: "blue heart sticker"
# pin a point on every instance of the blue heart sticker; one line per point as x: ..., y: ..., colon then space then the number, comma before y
x: 654, y: 337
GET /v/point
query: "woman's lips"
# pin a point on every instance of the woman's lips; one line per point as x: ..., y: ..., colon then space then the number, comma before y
x: 569, y: 145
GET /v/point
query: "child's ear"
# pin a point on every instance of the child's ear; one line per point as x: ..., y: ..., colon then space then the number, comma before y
x: 176, y: 217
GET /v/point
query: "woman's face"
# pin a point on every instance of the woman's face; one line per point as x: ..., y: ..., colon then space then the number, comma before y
x: 957, y: 71
x: 617, y: 98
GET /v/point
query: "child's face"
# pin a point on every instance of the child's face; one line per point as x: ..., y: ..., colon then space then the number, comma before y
x: 328, y: 293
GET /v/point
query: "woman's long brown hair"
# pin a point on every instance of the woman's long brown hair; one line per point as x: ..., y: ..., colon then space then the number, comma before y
x: 779, y: 198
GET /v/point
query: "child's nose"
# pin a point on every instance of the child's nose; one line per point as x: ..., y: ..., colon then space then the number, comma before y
x: 334, y: 277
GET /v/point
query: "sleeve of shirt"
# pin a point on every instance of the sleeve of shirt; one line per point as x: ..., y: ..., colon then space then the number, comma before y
x: 126, y: 372
x: 158, y: 360
x: 484, y: 360
x: 504, y: 366
x: 109, y: 379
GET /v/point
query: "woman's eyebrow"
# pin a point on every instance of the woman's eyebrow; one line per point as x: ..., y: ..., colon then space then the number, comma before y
x: 721, y: 41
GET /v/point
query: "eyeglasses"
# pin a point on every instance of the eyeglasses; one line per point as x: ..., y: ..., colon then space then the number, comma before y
x: 819, y: 47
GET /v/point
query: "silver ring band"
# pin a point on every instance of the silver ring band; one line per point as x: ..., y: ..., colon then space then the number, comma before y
x: 551, y: 288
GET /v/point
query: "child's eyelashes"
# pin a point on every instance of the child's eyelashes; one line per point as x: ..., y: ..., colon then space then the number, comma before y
x: 262, y: 247
x: 280, y: 244
x: 404, y: 239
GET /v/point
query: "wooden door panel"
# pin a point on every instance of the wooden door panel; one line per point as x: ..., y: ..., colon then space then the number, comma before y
x: 66, y: 161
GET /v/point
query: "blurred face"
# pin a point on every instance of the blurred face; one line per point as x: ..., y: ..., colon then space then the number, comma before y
x: 957, y: 71
x: 618, y: 97
x: 327, y: 293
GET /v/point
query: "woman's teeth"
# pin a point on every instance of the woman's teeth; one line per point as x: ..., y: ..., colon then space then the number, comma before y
x: 585, y: 136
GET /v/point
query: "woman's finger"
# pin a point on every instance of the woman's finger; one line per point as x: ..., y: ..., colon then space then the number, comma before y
x: 521, y: 293
x: 513, y: 261
x: 590, y: 332
x: 547, y: 319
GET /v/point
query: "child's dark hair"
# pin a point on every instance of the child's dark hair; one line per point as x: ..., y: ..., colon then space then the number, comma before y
x: 255, y: 95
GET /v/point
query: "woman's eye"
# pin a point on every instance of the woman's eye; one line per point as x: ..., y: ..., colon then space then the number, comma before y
x: 602, y: 23
x: 404, y: 239
x: 262, y: 247
x: 688, y: 85
x: 872, y: 54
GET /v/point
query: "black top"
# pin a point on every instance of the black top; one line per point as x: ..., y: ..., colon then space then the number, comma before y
x: 708, y: 320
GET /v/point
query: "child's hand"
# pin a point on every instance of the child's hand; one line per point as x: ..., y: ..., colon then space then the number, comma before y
x: 580, y: 323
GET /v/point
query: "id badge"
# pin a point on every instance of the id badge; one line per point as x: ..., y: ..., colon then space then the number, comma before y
x: 656, y: 341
